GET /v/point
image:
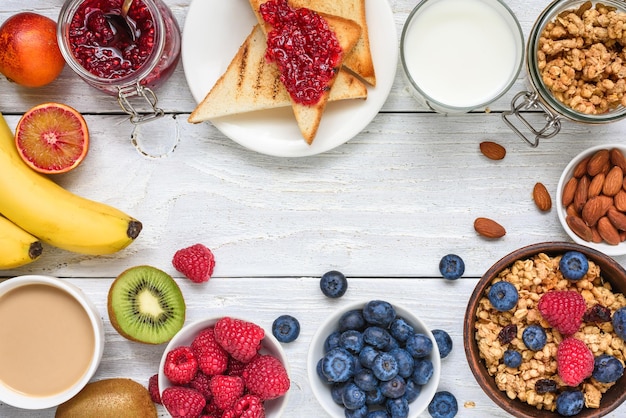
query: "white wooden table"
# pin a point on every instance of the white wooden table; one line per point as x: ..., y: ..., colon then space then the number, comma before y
x: 382, y: 208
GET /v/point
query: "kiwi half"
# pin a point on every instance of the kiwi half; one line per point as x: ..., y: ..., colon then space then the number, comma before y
x: 146, y: 305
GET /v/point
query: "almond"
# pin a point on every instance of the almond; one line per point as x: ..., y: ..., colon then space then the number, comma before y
x: 489, y: 228
x: 492, y: 150
x: 581, y: 168
x: 596, y: 236
x: 598, y: 162
x: 582, y: 191
x: 579, y: 227
x: 608, y: 232
x: 619, y: 200
x: 618, y: 159
x: 542, y: 198
x: 571, y: 211
x: 617, y: 218
x: 613, y: 181
x: 595, y: 186
x: 569, y: 190
x: 595, y: 208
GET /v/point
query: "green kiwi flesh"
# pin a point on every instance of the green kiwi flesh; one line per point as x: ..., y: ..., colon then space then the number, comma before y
x: 146, y: 305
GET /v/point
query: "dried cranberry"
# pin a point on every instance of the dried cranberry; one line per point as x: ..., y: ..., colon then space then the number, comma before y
x: 545, y: 386
x: 597, y: 314
x: 507, y: 334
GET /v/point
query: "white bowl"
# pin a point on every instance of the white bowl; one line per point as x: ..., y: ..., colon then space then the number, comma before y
x: 269, y: 345
x: 608, y: 249
x: 316, y: 351
x: 37, y: 399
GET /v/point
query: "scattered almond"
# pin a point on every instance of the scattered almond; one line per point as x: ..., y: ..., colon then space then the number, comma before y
x: 492, y: 150
x: 489, y: 228
x: 542, y: 198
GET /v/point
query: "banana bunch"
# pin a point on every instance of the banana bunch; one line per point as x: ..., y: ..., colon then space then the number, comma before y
x: 54, y: 215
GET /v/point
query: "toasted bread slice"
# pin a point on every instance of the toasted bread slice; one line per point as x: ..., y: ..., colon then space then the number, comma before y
x: 359, y: 61
x: 251, y: 83
x: 348, y: 33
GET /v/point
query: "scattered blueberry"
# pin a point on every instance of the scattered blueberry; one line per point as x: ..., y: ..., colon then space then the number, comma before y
x: 352, y: 320
x: 338, y: 365
x: 619, y: 323
x: 503, y: 296
x: 423, y: 371
x: 398, y: 408
x: 570, y: 403
x: 400, y: 329
x: 286, y: 328
x: 443, y: 405
x: 512, y: 358
x: 444, y: 342
x: 366, y: 380
x: 534, y: 336
x: 385, y: 367
x: 333, y: 284
x: 607, y: 369
x: 451, y: 266
x: 419, y: 345
x: 379, y: 312
x: 573, y: 265
x: 351, y: 340
x: 406, y: 362
x: 377, y: 337
x: 393, y: 388
x: 353, y: 396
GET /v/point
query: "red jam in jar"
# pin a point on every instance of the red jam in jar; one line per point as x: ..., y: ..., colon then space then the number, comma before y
x: 305, y: 49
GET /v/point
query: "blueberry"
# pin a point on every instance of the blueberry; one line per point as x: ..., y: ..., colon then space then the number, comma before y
x: 333, y: 284
x: 443, y: 405
x: 393, y: 388
x: 379, y: 312
x: 512, y: 358
x: 392, y: 344
x: 406, y: 362
x: 573, y: 265
x: 367, y: 356
x: 380, y: 413
x: 353, y: 396
x: 451, y: 266
x: 377, y: 337
x: 534, y: 336
x: 619, y: 323
x: 374, y: 397
x: 338, y: 365
x: 332, y: 341
x: 570, y: 403
x: 356, y: 413
x: 352, y: 319
x: 351, y: 340
x: 320, y: 374
x: 400, y: 329
x: 336, y: 392
x: 419, y: 345
x: 607, y: 369
x: 413, y: 390
x: 503, y: 296
x: 398, y: 408
x: 385, y: 367
x: 444, y: 342
x: 366, y: 380
x: 423, y: 371
x: 286, y: 328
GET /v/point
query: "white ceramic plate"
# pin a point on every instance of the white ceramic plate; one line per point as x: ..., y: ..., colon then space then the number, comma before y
x: 213, y: 32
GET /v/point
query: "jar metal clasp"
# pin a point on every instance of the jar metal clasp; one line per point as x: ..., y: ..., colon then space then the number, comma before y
x: 126, y: 93
x: 526, y: 100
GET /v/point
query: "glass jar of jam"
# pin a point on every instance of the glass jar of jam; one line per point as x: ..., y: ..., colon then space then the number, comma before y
x: 575, y: 70
x: 119, y: 62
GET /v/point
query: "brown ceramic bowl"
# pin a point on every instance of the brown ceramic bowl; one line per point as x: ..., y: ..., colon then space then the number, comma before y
x: 611, y: 271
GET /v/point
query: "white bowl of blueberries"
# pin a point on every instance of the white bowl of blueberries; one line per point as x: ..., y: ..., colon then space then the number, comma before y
x: 377, y: 359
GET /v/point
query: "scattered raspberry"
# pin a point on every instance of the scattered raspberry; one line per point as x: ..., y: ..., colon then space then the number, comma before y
x: 212, y: 358
x: 574, y: 361
x: 153, y: 388
x: 507, y: 333
x: 180, y: 365
x: 183, y: 402
x: 226, y: 390
x: 266, y: 377
x: 241, y: 339
x: 195, y: 262
x: 248, y: 406
x: 563, y: 310
x: 597, y: 314
x: 201, y: 383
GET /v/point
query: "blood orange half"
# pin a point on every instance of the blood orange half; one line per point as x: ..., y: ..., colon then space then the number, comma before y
x: 52, y: 138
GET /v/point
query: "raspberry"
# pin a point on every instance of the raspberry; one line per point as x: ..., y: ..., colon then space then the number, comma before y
x: 212, y: 358
x: 180, y: 365
x: 563, y: 310
x: 235, y: 367
x: 248, y: 406
x: 241, y: 339
x: 266, y: 377
x: 183, y: 402
x: 153, y: 388
x: 226, y: 390
x: 201, y: 384
x: 574, y: 361
x: 195, y: 262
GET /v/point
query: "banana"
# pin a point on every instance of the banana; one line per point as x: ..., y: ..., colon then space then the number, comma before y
x: 18, y: 246
x: 55, y: 215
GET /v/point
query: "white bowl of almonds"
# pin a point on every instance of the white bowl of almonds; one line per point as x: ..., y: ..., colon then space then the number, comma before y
x: 591, y: 198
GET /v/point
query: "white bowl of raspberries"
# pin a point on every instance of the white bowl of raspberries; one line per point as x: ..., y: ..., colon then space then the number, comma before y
x: 222, y: 366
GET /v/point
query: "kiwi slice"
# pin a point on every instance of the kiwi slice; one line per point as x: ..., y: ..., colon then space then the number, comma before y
x: 146, y: 305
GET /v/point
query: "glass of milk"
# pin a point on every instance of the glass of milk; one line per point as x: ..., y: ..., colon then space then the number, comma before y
x: 461, y: 55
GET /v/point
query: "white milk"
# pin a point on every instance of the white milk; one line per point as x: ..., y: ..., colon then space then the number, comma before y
x: 462, y: 53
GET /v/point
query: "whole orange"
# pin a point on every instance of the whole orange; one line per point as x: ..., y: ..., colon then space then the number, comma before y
x: 29, y: 52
